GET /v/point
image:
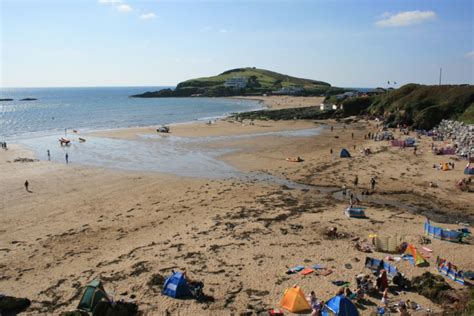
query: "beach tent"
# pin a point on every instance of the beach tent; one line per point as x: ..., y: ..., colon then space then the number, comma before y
x: 341, y: 306
x: 93, y: 294
x: 176, y: 286
x: 469, y: 169
x: 450, y: 270
x: 345, y: 153
x: 410, y: 142
x: 397, y: 143
x: 356, y: 212
x: 417, y: 257
x: 388, y: 243
x: 294, y: 300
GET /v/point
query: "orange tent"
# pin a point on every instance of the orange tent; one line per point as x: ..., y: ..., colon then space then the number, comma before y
x: 294, y: 300
x: 417, y: 257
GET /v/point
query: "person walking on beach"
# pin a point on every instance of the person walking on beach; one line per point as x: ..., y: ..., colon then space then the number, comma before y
x: 49, y: 155
x: 332, y: 128
x: 414, y: 150
x: 372, y: 183
x: 26, y: 186
x: 344, y: 190
x: 67, y: 158
x: 352, y: 134
x: 330, y: 151
x: 356, y: 181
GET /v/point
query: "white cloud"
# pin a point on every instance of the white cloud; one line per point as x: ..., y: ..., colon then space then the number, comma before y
x: 469, y: 54
x: 110, y: 1
x: 148, y: 16
x: 124, y: 8
x: 405, y: 18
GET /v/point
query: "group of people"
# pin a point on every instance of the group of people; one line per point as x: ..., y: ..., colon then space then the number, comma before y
x: 4, y: 145
x: 352, y: 198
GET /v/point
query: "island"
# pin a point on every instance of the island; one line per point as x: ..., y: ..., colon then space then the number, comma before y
x: 6, y: 99
x: 28, y: 99
x: 249, y: 81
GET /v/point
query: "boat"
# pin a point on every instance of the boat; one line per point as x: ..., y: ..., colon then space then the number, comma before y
x: 355, y: 212
x: 64, y: 141
x: 82, y: 139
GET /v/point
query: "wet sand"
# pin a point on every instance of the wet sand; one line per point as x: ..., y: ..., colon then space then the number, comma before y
x: 131, y: 228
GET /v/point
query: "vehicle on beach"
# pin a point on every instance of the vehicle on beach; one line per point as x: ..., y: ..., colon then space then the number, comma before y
x: 64, y: 141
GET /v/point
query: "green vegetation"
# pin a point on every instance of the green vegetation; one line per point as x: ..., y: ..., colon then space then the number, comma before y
x: 258, y: 82
x: 305, y: 113
x: 424, y: 106
x: 416, y: 105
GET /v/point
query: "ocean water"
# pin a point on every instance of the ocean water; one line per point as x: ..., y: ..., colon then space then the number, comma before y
x: 87, y: 109
x: 37, y: 125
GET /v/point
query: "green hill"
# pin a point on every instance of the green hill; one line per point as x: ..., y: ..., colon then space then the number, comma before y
x: 253, y: 81
x: 424, y: 106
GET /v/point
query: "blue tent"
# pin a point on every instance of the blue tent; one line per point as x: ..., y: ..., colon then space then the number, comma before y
x: 341, y: 306
x: 176, y: 286
x: 345, y: 153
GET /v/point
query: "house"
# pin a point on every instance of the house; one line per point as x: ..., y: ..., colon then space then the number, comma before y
x: 325, y: 107
x: 236, y: 83
x: 290, y: 90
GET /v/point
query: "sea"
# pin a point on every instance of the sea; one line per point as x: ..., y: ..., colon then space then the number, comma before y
x: 73, y: 112
x: 92, y: 109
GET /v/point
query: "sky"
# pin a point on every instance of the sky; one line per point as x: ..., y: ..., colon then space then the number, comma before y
x: 363, y: 43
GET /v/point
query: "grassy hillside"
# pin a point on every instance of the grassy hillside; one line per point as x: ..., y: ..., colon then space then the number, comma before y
x: 259, y: 81
x: 266, y: 79
x: 424, y: 106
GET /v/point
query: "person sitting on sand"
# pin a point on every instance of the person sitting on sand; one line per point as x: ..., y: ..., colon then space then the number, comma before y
x: 313, y: 302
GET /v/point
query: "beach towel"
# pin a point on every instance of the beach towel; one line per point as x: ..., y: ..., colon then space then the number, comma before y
x: 341, y: 283
x: 427, y: 249
x: 307, y: 271
x: 317, y: 267
x: 295, y: 269
x: 326, y: 272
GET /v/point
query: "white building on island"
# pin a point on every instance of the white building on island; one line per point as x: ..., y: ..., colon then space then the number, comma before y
x: 236, y: 83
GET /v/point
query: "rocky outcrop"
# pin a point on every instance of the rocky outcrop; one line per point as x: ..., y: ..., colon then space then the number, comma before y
x: 461, y: 134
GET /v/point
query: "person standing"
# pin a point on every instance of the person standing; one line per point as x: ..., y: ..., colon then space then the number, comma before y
x: 356, y: 181
x: 27, y: 185
x: 372, y: 183
x: 67, y: 158
x: 352, y: 134
x: 49, y: 155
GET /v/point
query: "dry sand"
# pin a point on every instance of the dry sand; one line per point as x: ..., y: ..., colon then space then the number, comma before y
x: 237, y: 236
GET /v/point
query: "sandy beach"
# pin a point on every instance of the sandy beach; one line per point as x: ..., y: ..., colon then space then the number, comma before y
x: 237, y: 235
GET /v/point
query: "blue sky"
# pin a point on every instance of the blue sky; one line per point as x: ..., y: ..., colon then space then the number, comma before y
x: 157, y: 42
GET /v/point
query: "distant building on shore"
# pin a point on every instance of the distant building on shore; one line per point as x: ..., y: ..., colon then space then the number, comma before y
x: 325, y: 107
x: 236, y: 83
x: 290, y: 90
